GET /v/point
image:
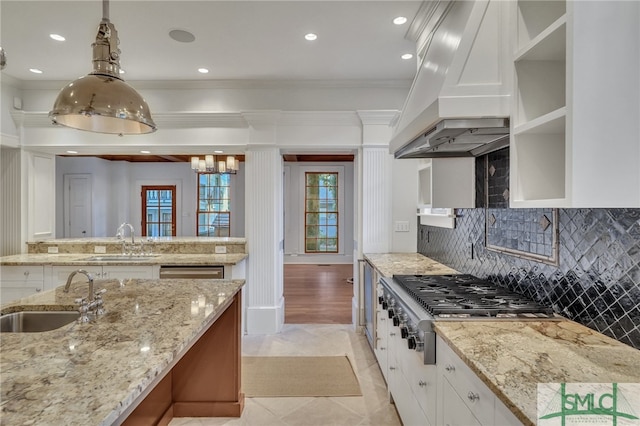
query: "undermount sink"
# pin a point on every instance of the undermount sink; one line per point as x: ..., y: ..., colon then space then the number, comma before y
x: 120, y: 258
x: 36, y: 321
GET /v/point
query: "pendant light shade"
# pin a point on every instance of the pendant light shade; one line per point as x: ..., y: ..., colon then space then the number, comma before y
x: 101, y: 101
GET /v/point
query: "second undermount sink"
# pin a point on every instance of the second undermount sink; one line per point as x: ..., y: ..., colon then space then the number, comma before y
x: 36, y: 321
x: 120, y: 258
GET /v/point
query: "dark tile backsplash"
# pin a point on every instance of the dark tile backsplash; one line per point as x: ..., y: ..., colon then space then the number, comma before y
x: 596, y: 282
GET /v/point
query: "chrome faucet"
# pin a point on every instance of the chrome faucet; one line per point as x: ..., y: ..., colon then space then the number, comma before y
x: 93, y: 303
x: 120, y: 232
x: 89, y: 277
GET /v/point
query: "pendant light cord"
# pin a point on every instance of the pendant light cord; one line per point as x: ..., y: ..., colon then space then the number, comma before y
x: 105, y: 10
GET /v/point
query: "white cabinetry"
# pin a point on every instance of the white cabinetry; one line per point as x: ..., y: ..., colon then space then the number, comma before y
x: 20, y: 281
x: 576, y: 105
x: 400, y: 376
x: 61, y: 273
x: 462, y: 397
x: 381, y: 342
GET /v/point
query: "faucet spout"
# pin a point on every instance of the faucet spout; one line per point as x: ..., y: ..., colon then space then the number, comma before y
x: 89, y: 277
x: 120, y: 232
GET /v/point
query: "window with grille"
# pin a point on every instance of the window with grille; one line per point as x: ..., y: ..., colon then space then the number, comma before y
x: 321, y: 212
x: 159, y: 211
x: 214, y: 205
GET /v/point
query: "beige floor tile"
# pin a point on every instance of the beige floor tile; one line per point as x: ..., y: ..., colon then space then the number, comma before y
x: 372, y: 408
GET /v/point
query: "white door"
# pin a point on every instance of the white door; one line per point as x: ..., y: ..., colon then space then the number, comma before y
x: 77, y: 206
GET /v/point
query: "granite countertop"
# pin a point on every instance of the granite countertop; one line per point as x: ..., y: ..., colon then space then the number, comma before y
x: 512, y: 357
x: 89, y: 374
x: 164, y: 240
x: 77, y: 259
x: 407, y: 264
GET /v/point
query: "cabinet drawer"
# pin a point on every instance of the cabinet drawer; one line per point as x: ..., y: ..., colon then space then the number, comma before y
x: 423, y: 381
x: 22, y: 273
x: 475, y: 394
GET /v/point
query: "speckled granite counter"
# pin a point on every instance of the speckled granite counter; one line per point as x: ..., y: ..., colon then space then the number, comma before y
x: 512, y: 357
x: 406, y: 264
x: 77, y: 259
x: 89, y: 374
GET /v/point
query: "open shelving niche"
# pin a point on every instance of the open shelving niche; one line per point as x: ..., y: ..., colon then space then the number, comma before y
x: 539, y: 143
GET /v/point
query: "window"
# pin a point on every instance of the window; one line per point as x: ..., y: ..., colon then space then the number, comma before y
x: 214, y: 209
x: 321, y: 213
x: 159, y: 211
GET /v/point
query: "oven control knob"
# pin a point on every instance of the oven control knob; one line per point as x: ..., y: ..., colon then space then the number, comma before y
x: 380, y: 300
x: 404, y: 332
x: 391, y: 313
x: 384, y: 305
x: 411, y: 342
x: 396, y: 321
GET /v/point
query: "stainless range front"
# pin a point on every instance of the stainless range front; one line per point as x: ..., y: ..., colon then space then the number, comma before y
x: 415, y: 302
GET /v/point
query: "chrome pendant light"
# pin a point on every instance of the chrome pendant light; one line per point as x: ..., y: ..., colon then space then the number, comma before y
x: 101, y: 101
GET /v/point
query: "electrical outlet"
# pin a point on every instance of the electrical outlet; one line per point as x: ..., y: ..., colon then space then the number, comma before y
x: 99, y: 249
x: 221, y: 249
x: 52, y: 250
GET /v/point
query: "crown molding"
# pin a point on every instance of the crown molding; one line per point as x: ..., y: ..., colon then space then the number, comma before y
x: 378, y: 117
x: 225, y: 84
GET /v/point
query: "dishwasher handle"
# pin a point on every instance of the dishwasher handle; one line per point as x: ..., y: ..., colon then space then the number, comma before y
x: 191, y: 272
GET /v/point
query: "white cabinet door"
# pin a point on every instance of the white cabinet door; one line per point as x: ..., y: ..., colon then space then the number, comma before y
x: 60, y: 274
x: 454, y: 410
x: 20, y: 281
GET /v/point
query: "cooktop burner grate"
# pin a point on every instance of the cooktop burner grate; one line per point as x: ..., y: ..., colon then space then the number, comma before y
x: 464, y: 296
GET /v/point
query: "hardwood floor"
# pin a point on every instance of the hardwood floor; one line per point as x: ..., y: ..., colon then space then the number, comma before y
x: 317, y: 294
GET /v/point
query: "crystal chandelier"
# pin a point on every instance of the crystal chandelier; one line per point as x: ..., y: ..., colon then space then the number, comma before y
x: 215, y: 164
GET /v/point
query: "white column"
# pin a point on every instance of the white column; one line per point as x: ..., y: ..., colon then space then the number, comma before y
x: 264, y: 300
x: 374, y: 171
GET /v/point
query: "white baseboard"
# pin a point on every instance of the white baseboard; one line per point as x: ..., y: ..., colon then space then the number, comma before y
x: 265, y: 319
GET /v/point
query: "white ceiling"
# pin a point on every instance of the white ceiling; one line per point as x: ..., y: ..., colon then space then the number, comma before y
x: 246, y: 40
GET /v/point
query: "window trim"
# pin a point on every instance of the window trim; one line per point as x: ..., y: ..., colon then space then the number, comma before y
x: 226, y: 212
x: 143, y: 211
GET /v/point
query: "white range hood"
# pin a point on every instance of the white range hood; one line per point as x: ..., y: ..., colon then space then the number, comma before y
x: 464, y: 74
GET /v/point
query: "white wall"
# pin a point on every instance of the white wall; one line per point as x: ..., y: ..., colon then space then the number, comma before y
x: 116, y: 193
x: 294, y: 212
x: 404, y: 202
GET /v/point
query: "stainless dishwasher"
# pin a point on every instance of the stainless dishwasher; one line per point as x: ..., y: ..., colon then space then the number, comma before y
x: 191, y: 272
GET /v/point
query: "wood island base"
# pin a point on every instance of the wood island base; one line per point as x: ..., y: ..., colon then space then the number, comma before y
x: 205, y: 382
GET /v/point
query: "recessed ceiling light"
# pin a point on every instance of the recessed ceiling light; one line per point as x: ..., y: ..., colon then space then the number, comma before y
x: 203, y: 70
x: 57, y: 37
x: 145, y: 152
x: 72, y: 152
x: 407, y: 56
x: 121, y: 71
x: 35, y: 70
x: 400, y: 20
x: 182, y: 36
x: 311, y: 36
x: 217, y: 152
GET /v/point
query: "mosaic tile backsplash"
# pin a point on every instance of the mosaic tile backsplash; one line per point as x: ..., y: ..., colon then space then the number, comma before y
x: 596, y: 282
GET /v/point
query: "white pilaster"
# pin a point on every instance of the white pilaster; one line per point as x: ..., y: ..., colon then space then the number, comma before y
x: 264, y: 230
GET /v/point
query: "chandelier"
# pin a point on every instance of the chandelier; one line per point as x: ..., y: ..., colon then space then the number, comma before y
x: 215, y: 164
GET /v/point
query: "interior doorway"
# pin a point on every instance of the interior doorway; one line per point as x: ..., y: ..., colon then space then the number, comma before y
x: 318, y: 294
x: 78, y: 222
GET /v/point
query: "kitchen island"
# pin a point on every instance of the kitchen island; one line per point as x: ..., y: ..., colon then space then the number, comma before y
x: 163, y: 349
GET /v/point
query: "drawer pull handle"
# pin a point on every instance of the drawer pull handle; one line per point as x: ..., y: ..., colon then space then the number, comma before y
x: 392, y: 334
x: 26, y: 273
x: 473, y: 397
x: 392, y: 368
x: 450, y: 368
x: 422, y: 383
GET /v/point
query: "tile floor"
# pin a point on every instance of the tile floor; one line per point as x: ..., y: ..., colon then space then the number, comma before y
x: 372, y: 408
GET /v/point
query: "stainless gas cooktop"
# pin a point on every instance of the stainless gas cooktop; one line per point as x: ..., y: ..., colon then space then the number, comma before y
x: 465, y: 296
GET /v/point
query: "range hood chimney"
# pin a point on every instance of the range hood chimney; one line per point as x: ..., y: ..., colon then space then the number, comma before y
x: 458, y: 105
